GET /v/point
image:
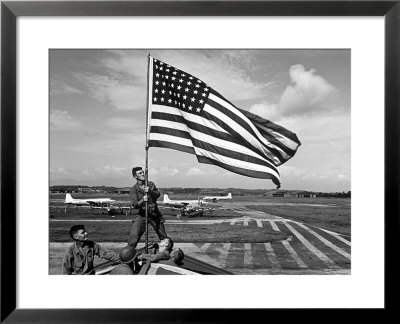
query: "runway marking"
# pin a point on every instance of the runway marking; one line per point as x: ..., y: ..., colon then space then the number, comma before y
x: 328, y: 243
x: 274, y: 226
x: 223, y: 254
x: 272, y: 257
x: 294, y: 254
x: 248, y: 256
x: 204, y: 257
x: 336, y: 235
x: 205, y: 247
x: 313, y: 249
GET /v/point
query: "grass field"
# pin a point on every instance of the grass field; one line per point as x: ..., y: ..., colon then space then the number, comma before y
x: 328, y: 213
x: 182, y: 233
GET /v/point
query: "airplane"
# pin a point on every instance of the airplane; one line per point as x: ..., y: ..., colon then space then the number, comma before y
x: 215, y: 198
x: 187, y: 207
x: 92, y: 203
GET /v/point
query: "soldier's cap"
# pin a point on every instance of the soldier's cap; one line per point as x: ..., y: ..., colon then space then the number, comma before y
x: 177, y: 255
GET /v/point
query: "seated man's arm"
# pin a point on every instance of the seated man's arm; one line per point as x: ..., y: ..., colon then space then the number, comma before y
x: 155, y: 257
x: 106, y: 254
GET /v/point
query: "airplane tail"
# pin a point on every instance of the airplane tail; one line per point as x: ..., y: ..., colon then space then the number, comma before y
x: 68, y: 198
x: 166, y: 199
x: 229, y: 196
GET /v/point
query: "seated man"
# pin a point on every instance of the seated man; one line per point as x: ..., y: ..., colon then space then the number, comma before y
x: 161, y: 251
x: 78, y: 258
x: 175, y: 258
x: 127, y: 266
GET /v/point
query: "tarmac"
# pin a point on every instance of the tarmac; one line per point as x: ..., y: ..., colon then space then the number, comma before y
x: 307, y: 251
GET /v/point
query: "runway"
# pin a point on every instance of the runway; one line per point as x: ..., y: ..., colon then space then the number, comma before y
x: 308, y: 250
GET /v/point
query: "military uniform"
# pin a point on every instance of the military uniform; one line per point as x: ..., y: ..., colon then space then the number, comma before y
x: 79, y: 260
x: 154, y: 216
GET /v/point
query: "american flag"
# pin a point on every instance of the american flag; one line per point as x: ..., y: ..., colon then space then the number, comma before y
x: 186, y: 114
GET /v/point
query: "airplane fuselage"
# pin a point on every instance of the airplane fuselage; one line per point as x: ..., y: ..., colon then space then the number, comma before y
x: 94, y: 202
x: 215, y: 198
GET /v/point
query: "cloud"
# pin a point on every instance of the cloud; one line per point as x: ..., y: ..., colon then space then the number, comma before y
x: 163, y: 171
x: 111, y: 170
x: 86, y: 172
x: 123, y: 80
x: 266, y: 110
x: 61, y: 120
x: 123, y: 123
x: 307, y: 93
x: 195, y: 172
x: 113, y: 144
x: 119, y: 91
x: 59, y: 170
x: 215, y: 67
x: 59, y: 87
x: 289, y: 171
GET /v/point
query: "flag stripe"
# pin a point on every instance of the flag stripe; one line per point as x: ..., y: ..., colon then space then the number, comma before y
x: 170, y: 131
x: 267, y: 127
x: 183, y: 116
x: 231, y: 151
x: 203, y: 156
x: 252, y: 136
x: 170, y: 145
x: 249, y: 118
x: 167, y: 120
x: 273, y: 136
x: 184, y: 145
x: 233, y: 162
x: 239, y: 134
x: 172, y: 139
x: 238, y: 170
x: 224, y: 143
x: 231, y: 154
x: 278, y: 140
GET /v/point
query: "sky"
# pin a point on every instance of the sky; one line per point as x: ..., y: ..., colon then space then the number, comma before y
x: 97, y: 115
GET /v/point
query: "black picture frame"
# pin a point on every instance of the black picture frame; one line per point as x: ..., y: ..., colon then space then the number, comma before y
x: 11, y: 10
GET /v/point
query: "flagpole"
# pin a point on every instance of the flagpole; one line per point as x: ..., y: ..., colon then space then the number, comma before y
x: 147, y: 152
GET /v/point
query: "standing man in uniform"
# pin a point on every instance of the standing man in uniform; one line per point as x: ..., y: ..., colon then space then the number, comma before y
x: 139, y: 195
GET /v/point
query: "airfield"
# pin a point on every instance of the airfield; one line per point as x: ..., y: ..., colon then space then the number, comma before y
x: 248, y: 235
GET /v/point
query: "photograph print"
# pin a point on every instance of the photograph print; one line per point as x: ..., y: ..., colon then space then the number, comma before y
x: 200, y: 162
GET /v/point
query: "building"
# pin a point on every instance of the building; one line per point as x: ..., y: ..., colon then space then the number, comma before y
x: 291, y: 194
x: 123, y: 191
x: 306, y: 194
